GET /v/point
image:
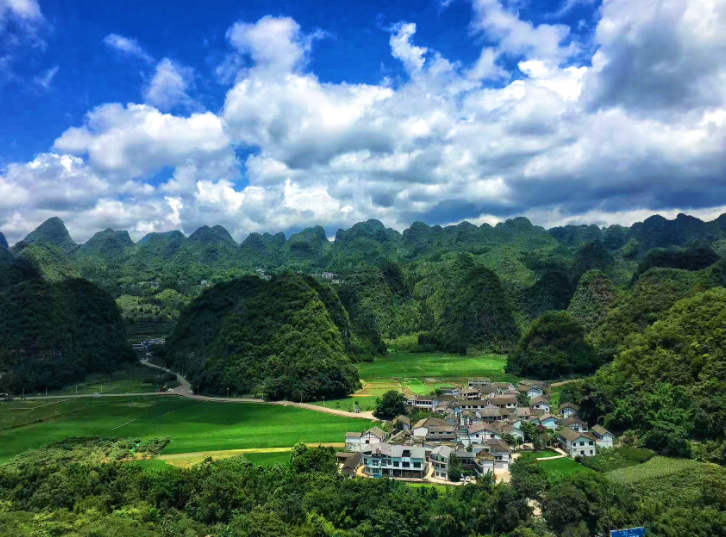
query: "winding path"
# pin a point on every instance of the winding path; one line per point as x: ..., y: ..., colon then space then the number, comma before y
x: 185, y: 390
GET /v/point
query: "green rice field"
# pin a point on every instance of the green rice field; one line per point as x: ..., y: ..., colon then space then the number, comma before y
x: 408, y: 365
x: 192, y: 425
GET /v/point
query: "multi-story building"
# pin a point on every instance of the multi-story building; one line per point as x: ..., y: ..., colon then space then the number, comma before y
x: 395, y: 461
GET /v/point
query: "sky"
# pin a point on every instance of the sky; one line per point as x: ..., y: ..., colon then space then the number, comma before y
x: 278, y: 115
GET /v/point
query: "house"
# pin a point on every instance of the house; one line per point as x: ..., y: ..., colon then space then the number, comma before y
x: 504, y: 387
x: 491, y: 413
x: 353, y: 441
x: 532, y: 389
x: 421, y: 428
x: 470, y: 393
x: 479, y: 382
x: 359, y: 441
x: 548, y: 421
x: 505, y: 428
x: 504, y: 401
x: 395, y: 461
x: 401, y: 422
x: 498, y: 449
x: 575, y: 424
x: 440, y: 461
x: 480, y: 432
x: 603, y: 437
x: 541, y: 403
x: 349, y: 463
x: 577, y: 444
x: 426, y: 402
x: 441, y: 433
x: 568, y: 410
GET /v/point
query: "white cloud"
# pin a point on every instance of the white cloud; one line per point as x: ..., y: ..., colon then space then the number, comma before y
x: 521, y: 38
x: 128, y: 46
x: 558, y: 142
x: 169, y: 85
x: 46, y: 79
x: 21, y: 22
x: 486, y: 67
x: 138, y: 140
x: 402, y: 48
x: 21, y: 10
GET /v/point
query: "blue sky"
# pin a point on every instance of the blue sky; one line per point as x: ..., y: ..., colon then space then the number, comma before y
x: 271, y: 116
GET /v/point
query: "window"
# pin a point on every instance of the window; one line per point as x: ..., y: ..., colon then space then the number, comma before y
x: 396, y: 464
x: 590, y: 452
x: 407, y: 465
x: 417, y: 465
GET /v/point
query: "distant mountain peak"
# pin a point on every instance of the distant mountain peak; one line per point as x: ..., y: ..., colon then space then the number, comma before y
x: 3, y: 242
x: 53, y: 232
x: 213, y: 235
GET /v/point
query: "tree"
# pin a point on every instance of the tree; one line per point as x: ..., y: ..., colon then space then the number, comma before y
x: 392, y: 404
x: 553, y: 346
x: 455, y: 468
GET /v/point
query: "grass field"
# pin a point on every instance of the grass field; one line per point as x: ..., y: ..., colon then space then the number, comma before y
x: 563, y: 466
x: 440, y: 488
x: 129, y: 379
x: 192, y: 425
x: 407, y: 365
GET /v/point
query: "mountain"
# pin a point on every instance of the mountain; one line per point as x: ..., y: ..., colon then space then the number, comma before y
x: 275, y: 338
x: 3, y: 242
x: 108, y: 245
x: 52, y: 232
x: 307, y: 248
x: 264, y: 251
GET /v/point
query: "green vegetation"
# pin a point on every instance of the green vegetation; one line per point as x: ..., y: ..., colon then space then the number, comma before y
x: 403, y: 365
x: 554, y: 346
x: 607, y: 460
x: 389, y: 406
x: 54, y: 333
x: 268, y: 459
x: 277, y: 338
x: 190, y: 425
x: 130, y: 378
x: 563, y: 466
x: 667, y: 385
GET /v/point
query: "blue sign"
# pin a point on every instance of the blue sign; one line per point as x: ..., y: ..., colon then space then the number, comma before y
x: 632, y: 532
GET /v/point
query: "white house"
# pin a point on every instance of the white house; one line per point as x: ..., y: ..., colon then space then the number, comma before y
x: 576, y: 424
x: 577, y: 444
x: 479, y: 382
x: 567, y: 410
x: 541, y: 403
x: 440, y: 461
x: 603, y: 437
x: 548, y: 421
x: 424, y: 402
x: 480, y: 432
x: 498, y: 449
x: 362, y: 441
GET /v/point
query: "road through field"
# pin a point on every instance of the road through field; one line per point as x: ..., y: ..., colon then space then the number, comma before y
x: 185, y: 390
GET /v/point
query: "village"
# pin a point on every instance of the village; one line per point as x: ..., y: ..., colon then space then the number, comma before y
x: 470, y: 432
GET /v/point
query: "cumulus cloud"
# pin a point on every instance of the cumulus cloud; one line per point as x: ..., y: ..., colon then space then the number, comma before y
x: 169, y: 85
x: 128, y: 46
x: 552, y: 139
x: 138, y: 140
x: 659, y: 57
x: 402, y: 48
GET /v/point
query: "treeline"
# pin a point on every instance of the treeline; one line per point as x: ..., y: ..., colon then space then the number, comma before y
x: 67, y: 490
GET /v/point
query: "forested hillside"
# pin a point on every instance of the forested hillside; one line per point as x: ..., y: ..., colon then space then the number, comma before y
x: 461, y: 287
x: 54, y: 333
x: 285, y: 338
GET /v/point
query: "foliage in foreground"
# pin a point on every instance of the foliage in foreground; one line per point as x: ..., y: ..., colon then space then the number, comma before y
x: 306, y: 497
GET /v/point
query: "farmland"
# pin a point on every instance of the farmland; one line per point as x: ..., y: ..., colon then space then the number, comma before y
x: 193, y: 426
x: 419, y: 374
